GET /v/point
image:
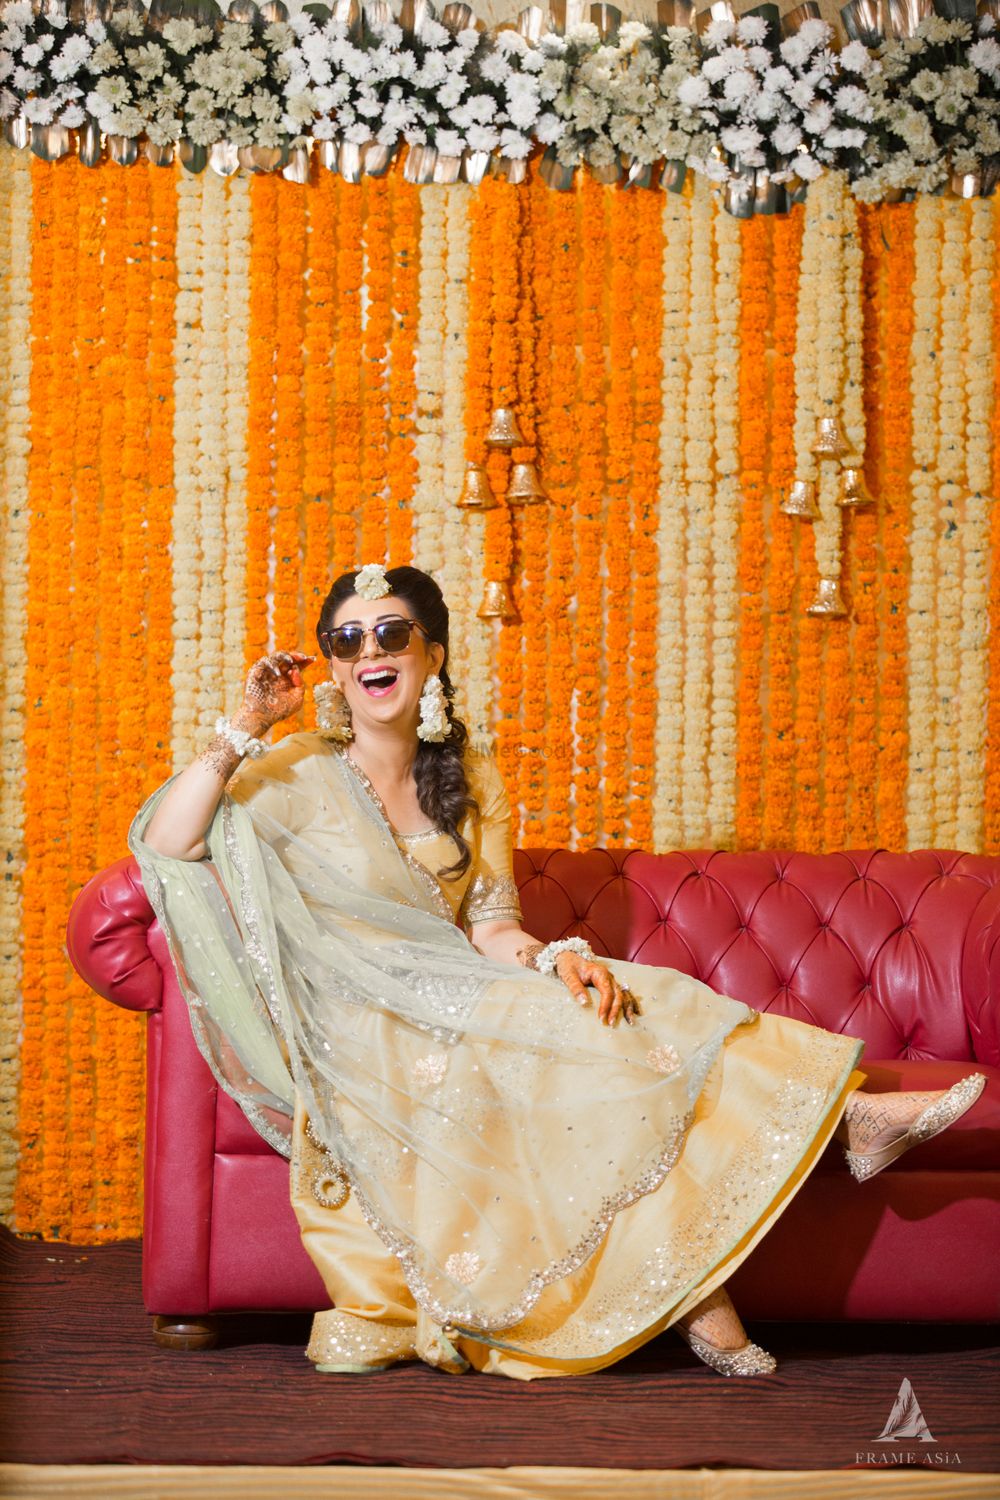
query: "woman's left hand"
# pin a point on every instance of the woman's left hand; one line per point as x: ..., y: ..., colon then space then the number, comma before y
x: 617, y: 999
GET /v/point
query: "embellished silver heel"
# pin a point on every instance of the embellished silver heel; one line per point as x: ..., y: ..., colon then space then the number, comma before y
x: 748, y: 1359
x: 930, y: 1122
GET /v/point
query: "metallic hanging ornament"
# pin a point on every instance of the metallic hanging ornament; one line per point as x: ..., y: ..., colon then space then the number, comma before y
x: 853, y: 490
x: 497, y: 603
x: 801, y: 501
x: 829, y: 439
x: 525, y: 487
x: 477, y: 493
x: 828, y: 601
x: 504, y: 431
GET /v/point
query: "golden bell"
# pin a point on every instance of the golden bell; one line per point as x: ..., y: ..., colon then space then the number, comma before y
x: 476, y: 492
x: 852, y: 488
x: 801, y: 501
x: 504, y: 431
x: 525, y: 487
x: 497, y: 603
x: 828, y: 600
x: 829, y: 441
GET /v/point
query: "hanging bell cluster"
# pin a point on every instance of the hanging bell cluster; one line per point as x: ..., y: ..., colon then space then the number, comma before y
x: 830, y: 445
x: 524, y: 487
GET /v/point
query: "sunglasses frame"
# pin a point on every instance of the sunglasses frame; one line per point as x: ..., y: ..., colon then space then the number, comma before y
x: 412, y: 625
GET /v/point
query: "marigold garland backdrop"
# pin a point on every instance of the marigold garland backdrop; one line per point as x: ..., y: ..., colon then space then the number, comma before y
x: 217, y: 394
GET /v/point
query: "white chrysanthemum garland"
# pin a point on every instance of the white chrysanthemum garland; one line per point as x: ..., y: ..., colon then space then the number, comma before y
x: 622, y: 97
x: 908, y: 116
x: 457, y: 91
x: 936, y: 107
x: 783, y: 107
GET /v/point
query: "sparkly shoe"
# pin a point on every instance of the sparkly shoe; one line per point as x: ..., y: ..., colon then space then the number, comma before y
x: 930, y: 1122
x: 748, y: 1359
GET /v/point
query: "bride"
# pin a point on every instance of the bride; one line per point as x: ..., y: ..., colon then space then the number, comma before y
x: 505, y: 1155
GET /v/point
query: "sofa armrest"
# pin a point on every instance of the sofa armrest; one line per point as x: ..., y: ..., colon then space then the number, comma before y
x: 106, y: 938
x: 981, y: 978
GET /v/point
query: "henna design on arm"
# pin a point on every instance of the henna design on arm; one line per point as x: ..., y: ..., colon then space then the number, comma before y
x: 526, y: 956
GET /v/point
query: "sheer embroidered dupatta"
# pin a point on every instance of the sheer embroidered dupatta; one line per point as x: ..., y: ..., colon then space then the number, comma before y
x: 489, y: 1128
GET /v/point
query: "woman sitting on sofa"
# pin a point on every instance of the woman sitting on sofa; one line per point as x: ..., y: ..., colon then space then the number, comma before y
x: 505, y: 1154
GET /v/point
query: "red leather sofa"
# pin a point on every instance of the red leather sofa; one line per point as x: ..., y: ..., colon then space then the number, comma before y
x: 902, y: 950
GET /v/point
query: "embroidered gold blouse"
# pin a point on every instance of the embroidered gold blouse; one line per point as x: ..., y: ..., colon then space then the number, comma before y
x: 486, y: 892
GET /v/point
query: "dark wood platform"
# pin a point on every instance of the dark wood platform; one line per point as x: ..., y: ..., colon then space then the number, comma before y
x: 84, y: 1383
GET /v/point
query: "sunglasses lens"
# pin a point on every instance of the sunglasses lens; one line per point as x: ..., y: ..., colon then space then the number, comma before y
x: 393, y: 635
x: 345, y: 644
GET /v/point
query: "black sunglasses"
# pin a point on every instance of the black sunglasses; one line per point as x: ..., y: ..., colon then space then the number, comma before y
x: 393, y: 636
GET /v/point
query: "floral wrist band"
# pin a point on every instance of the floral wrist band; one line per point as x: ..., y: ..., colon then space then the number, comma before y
x: 545, y: 962
x: 242, y: 743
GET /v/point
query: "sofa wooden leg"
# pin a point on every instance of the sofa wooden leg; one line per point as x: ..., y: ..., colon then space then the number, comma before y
x: 177, y: 1332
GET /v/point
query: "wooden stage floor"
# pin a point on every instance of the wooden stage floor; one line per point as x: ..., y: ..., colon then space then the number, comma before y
x: 83, y: 1383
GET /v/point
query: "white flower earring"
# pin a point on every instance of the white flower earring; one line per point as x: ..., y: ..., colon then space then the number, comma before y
x: 434, y: 724
x: 332, y: 712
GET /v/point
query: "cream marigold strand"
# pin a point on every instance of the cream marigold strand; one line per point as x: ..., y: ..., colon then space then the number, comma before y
x: 235, y: 354
x: 980, y: 374
x: 210, y: 410
x: 830, y: 192
x: 430, y: 492
x: 461, y: 543
x: 721, y: 809
x: 186, y: 550
x: 700, y: 477
x: 671, y: 537
x: 920, y: 604
x: 951, y: 532
x: 15, y: 319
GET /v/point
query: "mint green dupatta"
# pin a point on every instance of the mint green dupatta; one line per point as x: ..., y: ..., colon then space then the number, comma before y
x: 489, y: 1127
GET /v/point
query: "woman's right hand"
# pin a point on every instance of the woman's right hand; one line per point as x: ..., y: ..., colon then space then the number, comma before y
x: 274, y: 690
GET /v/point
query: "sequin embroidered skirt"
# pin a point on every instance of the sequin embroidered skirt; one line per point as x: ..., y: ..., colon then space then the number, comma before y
x: 769, y: 1107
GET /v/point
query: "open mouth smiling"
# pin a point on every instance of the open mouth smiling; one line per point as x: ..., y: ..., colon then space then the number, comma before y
x: 378, y: 681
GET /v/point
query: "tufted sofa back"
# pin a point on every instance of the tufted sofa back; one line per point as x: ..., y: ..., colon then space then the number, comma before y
x: 902, y: 950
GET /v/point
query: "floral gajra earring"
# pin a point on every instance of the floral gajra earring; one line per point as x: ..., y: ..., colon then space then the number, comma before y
x: 332, y: 712
x: 434, y: 724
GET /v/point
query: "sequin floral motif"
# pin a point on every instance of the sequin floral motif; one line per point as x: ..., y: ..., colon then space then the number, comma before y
x: 665, y: 1059
x: 430, y: 1069
x: 463, y: 1266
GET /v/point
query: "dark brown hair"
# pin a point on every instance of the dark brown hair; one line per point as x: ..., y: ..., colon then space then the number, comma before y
x: 439, y: 769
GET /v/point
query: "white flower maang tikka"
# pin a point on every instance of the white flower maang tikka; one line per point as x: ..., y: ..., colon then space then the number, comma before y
x: 371, y: 582
x: 332, y: 713
x: 434, y: 724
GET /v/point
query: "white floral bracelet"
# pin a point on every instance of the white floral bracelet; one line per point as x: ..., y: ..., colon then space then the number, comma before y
x: 242, y: 743
x: 545, y: 962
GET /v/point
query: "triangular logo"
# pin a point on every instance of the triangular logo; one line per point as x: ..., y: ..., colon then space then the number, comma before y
x: 906, y: 1420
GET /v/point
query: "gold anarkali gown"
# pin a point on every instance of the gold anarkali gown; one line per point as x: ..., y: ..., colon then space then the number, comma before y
x: 768, y: 1107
